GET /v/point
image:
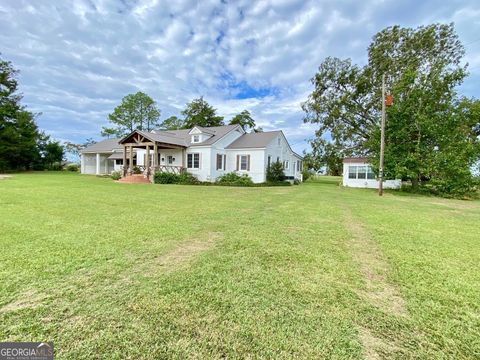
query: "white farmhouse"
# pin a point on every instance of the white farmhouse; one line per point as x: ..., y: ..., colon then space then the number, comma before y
x: 358, y: 173
x: 206, y: 153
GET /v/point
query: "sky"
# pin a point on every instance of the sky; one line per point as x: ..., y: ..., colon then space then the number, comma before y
x: 77, y: 59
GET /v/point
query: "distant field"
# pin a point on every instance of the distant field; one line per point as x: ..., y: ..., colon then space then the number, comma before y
x: 115, y: 271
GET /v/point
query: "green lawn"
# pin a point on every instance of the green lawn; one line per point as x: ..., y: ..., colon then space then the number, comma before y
x: 108, y: 270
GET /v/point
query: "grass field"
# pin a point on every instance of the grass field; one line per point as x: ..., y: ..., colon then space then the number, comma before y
x: 108, y: 270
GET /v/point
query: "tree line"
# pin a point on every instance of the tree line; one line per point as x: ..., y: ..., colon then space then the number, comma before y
x: 432, y: 133
x: 22, y: 145
x: 139, y: 112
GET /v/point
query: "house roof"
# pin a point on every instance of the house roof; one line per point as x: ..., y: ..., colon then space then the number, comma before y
x: 254, y: 140
x: 355, y: 160
x: 107, y: 145
x: 217, y: 133
x: 174, y: 137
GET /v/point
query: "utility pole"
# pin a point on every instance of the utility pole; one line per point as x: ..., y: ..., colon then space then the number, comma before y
x: 382, y: 140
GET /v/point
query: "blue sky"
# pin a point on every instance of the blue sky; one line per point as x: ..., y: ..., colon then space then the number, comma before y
x: 79, y: 58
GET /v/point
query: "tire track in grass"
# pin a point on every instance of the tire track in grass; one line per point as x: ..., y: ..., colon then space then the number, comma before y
x: 378, y: 291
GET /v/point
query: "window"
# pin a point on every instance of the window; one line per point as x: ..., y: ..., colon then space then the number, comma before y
x: 361, y: 172
x: 269, y: 161
x: 285, y: 164
x: 196, y: 138
x: 243, y: 162
x: 278, y: 158
x: 170, y: 159
x: 278, y: 141
x: 220, y: 161
x: 119, y: 162
x: 370, y: 173
x: 352, y: 172
x: 193, y: 161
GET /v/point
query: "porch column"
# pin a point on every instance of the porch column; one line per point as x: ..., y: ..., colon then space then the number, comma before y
x: 147, y: 160
x: 98, y: 164
x: 124, y: 160
x: 82, y: 163
x: 131, y: 157
x: 155, y: 157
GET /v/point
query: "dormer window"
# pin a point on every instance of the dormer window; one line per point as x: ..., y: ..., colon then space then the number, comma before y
x: 196, y: 138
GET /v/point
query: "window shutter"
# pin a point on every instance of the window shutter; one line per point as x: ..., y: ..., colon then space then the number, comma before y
x: 199, y: 160
x: 238, y: 161
x: 225, y: 162
x: 216, y: 162
x: 248, y: 162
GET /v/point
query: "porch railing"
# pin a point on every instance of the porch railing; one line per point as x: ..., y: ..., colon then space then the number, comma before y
x: 148, y: 172
x: 166, y: 168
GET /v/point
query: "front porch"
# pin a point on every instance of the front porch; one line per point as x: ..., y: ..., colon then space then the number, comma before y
x: 146, y: 155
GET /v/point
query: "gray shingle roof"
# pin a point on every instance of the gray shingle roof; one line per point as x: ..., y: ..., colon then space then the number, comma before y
x: 175, y: 137
x: 254, y: 140
x: 103, y: 146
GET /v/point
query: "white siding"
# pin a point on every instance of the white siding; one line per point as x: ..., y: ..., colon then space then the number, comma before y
x: 366, y: 183
x: 204, y: 173
x: 257, y: 163
x: 90, y: 163
x: 279, y: 148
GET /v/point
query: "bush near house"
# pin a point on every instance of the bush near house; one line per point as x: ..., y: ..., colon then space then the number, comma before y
x: 116, y: 175
x: 183, y: 178
x: 234, y: 179
x: 72, y: 167
x: 275, y: 172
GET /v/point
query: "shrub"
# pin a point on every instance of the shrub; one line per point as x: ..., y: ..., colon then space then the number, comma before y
x: 234, y: 179
x: 186, y: 178
x: 116, y: 175
x: 165, y: 178
x: 136, y: 170
x: 275, y: 172
x: 306, y: 174
x: 72, y: 167
x: 296, y: 182
x: 183, y: 178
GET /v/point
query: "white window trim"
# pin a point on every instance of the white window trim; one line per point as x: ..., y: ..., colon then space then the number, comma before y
x: 193, y: 161
x: 240, y: 162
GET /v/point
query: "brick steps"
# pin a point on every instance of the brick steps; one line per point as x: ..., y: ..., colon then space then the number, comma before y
x: 134, y: 179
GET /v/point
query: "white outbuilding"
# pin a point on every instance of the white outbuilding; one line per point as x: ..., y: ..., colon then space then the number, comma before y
x: 358, y: 173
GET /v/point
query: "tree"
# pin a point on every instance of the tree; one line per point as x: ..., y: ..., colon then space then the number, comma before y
x: 172, y: 123
x: 74, y: 149
x: 423, y: 68
x: 275, y: 172
x: 136, y: 112
x: 244, y: 119
x: 328, y: 154
x: 53, y: 155
x: 199, y: 112
x: 18, y: 131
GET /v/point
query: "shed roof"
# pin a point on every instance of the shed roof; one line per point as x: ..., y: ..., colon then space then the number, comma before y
x: 356, y: 160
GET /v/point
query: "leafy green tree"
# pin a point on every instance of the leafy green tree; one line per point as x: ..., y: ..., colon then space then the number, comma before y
x: 136, y: 112
x: 53, y: 155
x: 172, y: 123
x: 275, y: 172
x: 328, y: 154
x: 18, y: 131
x: 244, y: 119
x: 201, y: 113
x: 423, y: 69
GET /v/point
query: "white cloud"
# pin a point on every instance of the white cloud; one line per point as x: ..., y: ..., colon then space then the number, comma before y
x: 78, y: 60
